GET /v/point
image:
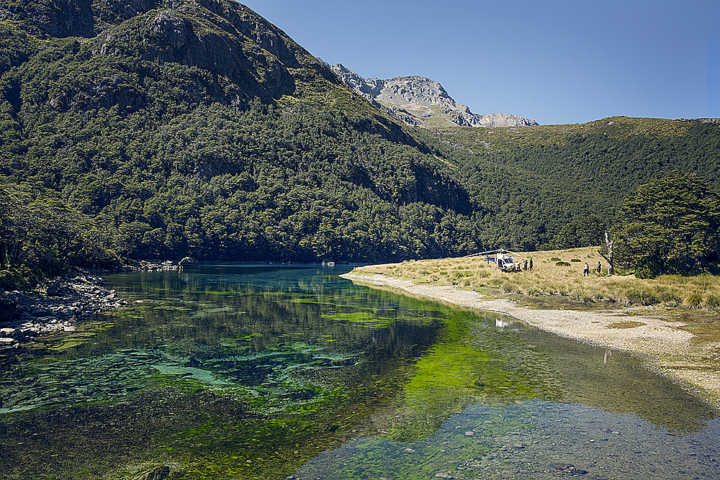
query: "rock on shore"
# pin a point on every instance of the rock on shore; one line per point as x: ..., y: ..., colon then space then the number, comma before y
x: 55, y: 306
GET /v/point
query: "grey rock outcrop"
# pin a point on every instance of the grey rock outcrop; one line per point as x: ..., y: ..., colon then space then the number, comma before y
x: 56, y: 306
x: 419, y: 100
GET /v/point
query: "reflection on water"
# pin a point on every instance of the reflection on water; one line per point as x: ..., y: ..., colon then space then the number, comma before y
x: 529, y: 440
x: 231, y: 371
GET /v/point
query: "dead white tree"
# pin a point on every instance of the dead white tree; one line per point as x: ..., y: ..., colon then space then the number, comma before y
x: 608, y: 254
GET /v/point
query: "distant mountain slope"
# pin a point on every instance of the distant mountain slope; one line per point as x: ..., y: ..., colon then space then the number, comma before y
x: 196, y: 127
x: 541, y: 181
x: 421, y: 101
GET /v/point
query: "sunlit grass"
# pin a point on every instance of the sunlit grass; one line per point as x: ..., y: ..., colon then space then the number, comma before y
x: 560, y: 273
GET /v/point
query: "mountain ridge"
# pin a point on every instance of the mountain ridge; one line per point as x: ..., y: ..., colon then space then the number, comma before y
x: 195, y: 127
x: 421, y: 101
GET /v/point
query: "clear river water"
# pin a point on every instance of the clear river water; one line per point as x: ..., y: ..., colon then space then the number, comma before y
x: 234, y: 371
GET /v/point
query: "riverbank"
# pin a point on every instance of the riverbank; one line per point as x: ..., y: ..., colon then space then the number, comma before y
x: 667, y: 346
x: 57, y: 304
x: 53, y: 307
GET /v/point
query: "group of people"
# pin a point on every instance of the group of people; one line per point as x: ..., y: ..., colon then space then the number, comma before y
x: 525, y: 264
x: 586, y: 270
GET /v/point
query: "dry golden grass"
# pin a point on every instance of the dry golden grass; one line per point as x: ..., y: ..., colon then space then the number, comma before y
x: 552, y: 276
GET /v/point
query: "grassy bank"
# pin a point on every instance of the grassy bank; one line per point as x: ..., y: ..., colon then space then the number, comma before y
x: 558, y: 275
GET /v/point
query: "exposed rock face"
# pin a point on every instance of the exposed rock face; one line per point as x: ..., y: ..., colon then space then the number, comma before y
x: 418, y: 100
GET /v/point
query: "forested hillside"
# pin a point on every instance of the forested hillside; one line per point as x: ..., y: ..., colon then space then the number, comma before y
x: 198, y: 128
x: 560, y: 186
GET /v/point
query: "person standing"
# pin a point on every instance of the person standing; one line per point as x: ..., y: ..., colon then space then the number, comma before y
x: 599, y: 268
x: 586, y: 270
x: 525, y: 265
x: 531, y: 263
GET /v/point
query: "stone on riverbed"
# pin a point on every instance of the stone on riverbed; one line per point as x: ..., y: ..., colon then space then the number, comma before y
x: 569, y: 469
x: 157, y: 473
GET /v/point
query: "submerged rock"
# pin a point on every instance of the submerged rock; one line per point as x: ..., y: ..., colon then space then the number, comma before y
x: 157, y: 473
x: 568, y: 469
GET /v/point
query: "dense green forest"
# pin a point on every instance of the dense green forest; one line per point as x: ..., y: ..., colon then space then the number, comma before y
x: 560, y: 186
x: 197, y: 128
x: 670, y: 225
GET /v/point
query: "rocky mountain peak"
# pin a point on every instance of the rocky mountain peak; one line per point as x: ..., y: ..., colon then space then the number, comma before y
x: 419, y: 100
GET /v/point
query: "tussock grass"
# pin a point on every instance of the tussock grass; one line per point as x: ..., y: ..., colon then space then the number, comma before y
x: 554, y: 275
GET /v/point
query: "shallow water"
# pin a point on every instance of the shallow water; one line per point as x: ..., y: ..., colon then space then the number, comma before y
x: 236, y: 371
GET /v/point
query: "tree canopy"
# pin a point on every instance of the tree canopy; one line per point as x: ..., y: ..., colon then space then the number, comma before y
x: 198, y: 128
x: 670, y: 225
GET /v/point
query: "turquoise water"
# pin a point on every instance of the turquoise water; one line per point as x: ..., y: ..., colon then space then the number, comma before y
x: 237, y: 371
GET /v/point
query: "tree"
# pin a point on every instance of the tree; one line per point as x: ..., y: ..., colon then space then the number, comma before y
x: 670, y: 225
x: 608, y: 253
x: 579, y: 232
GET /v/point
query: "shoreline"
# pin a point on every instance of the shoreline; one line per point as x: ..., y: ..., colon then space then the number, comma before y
x: 665, y: 348
x: 54, y: 307
x: 57, y: 304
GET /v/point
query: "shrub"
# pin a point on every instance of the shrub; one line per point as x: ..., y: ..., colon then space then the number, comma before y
x: 641, y: 297
x: 20, y: 278
x: 555, y: 259
x: 694, y: 300
x: 648, y: 270
x: 667, y: 296
x: 576, y: 260
x: 713, y: 301
x: 562, y: 264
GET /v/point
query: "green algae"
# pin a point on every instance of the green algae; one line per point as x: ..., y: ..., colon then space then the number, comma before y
x: 202, y: 376
x: 366, y: 319
x: 260, y: 394
x: 468, y: 366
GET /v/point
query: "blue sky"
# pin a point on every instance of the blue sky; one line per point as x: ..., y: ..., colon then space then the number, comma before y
x: 555, y: 61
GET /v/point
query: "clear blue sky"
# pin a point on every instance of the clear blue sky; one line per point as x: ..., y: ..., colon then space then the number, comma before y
x: 556, y: 61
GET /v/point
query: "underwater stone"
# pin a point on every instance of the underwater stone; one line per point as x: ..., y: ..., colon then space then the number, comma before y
x: 157, y: 473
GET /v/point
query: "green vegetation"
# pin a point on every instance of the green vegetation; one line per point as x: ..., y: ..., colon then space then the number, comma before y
x: 555, y: 281
x: 231, y: 142
x: 559, y: 186
x: 204, y: 130
x: 670, y: 225
x: 41, y: 236
x: 625, y: 324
